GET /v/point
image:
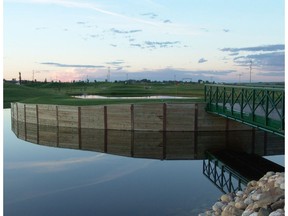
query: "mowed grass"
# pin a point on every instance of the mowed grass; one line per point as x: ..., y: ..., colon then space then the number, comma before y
x: 60, y: 93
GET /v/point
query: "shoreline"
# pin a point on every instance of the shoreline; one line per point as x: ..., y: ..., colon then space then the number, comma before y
x: 265, y: 197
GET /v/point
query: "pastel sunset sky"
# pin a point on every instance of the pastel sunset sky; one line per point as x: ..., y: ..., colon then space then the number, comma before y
x: 147, y: 39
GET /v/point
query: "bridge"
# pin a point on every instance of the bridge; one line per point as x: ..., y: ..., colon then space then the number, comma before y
x: 260, y: 107
x: 230, y: 171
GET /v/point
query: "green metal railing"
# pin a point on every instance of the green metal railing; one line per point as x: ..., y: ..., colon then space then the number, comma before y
x: 259, y: 107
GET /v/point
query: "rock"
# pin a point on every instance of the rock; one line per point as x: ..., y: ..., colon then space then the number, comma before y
x: 248, y: 201
x: 217, y: 206
x: 278, y: 204
x: 276, y: 213
x: 268, y: 174
x: 252, y: 183
x: 231, y: 210
x: 240, y: 205
x: 282, y: 186
x: 247, y: 212
x: 263, y: 212
x: 239, y: 193
x: 254, y: 214
x: 226, y: 198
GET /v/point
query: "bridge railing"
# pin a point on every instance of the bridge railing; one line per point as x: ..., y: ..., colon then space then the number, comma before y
x: 260, y: 107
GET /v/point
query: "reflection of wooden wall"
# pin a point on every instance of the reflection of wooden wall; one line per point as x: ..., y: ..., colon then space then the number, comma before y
x: 145, y: 117
x: 149, y: 144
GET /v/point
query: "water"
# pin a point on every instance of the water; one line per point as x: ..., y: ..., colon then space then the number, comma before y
x: 143, y: 97
x: 43, y: 180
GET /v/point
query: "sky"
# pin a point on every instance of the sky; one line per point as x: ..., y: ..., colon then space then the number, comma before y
x: 183, y: 40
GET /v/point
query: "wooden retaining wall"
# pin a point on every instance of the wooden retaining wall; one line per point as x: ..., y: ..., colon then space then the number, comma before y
x: 131, y: 117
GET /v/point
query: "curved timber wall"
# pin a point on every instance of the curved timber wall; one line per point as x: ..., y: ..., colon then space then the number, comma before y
x: 132, y: 117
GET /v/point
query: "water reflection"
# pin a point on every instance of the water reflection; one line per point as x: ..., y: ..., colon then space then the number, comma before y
x: 148, y: 144
x: 82, y: 182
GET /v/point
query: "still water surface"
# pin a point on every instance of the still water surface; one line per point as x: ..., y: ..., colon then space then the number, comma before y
x: 42, y: 180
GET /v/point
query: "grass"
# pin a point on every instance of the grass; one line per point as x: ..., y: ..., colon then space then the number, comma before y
x: 60, y: 93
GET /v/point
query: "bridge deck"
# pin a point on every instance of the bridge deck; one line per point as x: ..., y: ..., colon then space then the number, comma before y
x: 259, y: 107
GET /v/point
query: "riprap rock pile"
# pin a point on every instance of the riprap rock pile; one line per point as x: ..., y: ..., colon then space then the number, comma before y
x: 265, y: 197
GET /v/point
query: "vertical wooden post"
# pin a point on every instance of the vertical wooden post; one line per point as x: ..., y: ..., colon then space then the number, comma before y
x: 164, y: 116
x: 105, y: 130
x: 57, y: 124
x: 132, y: 117
x: 25, y: 123
x: 79, y: 128
x: 17, y: 109
x: 37, y: 117
x: 196, y: 117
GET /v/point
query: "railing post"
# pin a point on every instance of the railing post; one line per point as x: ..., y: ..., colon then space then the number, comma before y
x: 232, y: 101
x: 266, y: 106
x: 241, y: 103
x: 283, y: 111
x: 224, y: 99
x: 253, y: 105
x: 217, y: 98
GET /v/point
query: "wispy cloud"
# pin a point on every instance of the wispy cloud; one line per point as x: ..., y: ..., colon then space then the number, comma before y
x: 202, y: 60
x: 117, y: 62
x: 150, y: 15
x: 265, y: 48
x: 274, y: 61
x: 125, y: 31
x: 160, y: 44
x: 167, y: 21
x: 71, y: 65
x: 86, y: 5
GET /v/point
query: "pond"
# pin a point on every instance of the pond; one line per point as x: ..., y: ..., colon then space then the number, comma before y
x: 136, y: 97
x: 77, y: 180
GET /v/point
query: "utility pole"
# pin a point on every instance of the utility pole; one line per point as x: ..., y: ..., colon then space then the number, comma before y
x: 108, y: 75
x: 250, y: 68
x: 20, y: 80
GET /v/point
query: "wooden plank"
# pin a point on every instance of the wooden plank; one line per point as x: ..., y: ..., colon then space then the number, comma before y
x: 209, y: 122
x: 180, y: 117
x: 92, y: 117
x: 119, y: 117
x: 47, y: 115
x: 148, y: 117
x: 68, y: 116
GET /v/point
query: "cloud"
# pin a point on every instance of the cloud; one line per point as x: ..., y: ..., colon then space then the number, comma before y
x: 202, y: 60
x: 125, y: 32
x: 136, y: 45
x: 265, y: 48
x: 274, y: 61
x: 81, y: 23
x: 72, y: 65
x: 117, y: 62
x: 167, y: 21
x: 40, y: 28
x: 150, y: 15
x: 164, y: 44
